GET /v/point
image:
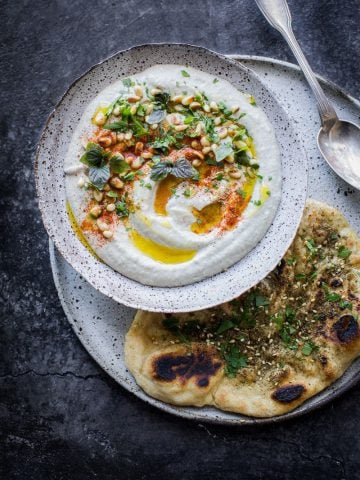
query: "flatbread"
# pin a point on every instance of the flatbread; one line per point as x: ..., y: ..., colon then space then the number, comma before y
x: 268, y: 351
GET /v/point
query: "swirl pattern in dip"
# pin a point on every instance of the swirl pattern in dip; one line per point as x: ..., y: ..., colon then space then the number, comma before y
x: 172, y: 175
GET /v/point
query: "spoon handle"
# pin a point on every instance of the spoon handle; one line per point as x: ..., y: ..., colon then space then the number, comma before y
x: 278, y: 15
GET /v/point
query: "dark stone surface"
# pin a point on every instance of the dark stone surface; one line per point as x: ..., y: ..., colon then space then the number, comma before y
x: 61, y: 417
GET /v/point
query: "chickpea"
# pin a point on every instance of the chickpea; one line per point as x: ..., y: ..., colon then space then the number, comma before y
x: 155, y: 91
x: 206, y: 150
x: 133, y: 98
x: 101, y: 225
x: 180, y: 128
x: 96, y: 211
x: 108, y: 234
x: 205, y: 141
x: 98, y: 196
x: 110, y: 207
x: 136, y: 163
x: 187, y: 100
x: 116, y: 182
x: 138, y: 91
x: 235, y: 174
x: 195, y: 105
x: 223, y: 132
x: 177, y: 98
x: 100, y: 119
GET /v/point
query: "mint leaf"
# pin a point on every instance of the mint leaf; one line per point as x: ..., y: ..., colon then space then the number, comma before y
x: 98, y: 176
x: 94, y: 155
x: 182, y: 168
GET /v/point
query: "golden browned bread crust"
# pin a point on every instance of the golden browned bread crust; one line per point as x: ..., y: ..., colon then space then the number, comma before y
x: 268, y: 351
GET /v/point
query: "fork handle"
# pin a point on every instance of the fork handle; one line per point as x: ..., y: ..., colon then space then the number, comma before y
x: 277, y: 13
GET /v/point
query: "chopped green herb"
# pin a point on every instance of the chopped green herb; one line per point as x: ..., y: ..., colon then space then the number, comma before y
x: 261, y: 300
x: 163, y: 143
x: 224, y: 109
x: 111, y: 194
x: 121, y: 208
x: 215, y: 80
x: 332, y: 297
x: 311, y: 246
x: 128, y: 177
x: 234, y: 360
x: 345, y: 304
x: 127, y: 82
x: 145, y: 185
x: 120, y: 126
x: 187, y: 192
x: 344, y: 252
x: 309, y: 348
x: 252, y: 100
x: 184, y: 73
x: 240, y: 192
x: 224, y: 326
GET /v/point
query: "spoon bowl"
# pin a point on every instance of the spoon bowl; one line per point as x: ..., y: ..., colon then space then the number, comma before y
x: 340, y: 146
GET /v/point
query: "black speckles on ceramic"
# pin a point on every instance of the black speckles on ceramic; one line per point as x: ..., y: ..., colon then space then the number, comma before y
x: 212, y: 291
x: 101, y: 323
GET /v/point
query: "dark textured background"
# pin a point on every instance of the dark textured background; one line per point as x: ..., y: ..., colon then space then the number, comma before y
x: 61, y: 417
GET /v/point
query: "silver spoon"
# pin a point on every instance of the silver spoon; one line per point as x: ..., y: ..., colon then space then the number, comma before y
x: 338, y: 140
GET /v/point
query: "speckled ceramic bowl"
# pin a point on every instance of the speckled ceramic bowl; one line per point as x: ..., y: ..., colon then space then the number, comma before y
x: 51, y: 186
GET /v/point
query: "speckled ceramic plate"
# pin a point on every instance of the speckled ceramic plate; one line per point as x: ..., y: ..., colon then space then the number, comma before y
x: 101, y: 323
x: 211, y: 291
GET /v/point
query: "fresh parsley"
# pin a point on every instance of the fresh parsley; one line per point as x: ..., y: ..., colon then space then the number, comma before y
x: 309, y: 348
x: 127, y: 82
x: 121, y: 208
x: 225, y: 325
x: 344, y: 252
x: 240, y: 192
x: 234, y: 360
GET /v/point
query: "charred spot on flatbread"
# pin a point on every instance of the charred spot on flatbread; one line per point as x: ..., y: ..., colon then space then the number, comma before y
x: 288, y: 393
x: 346, y: 329
x: 201, y: 365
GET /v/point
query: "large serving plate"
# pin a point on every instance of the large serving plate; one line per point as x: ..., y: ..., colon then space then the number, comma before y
x: 101, y: 323
x: 214, y: 290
